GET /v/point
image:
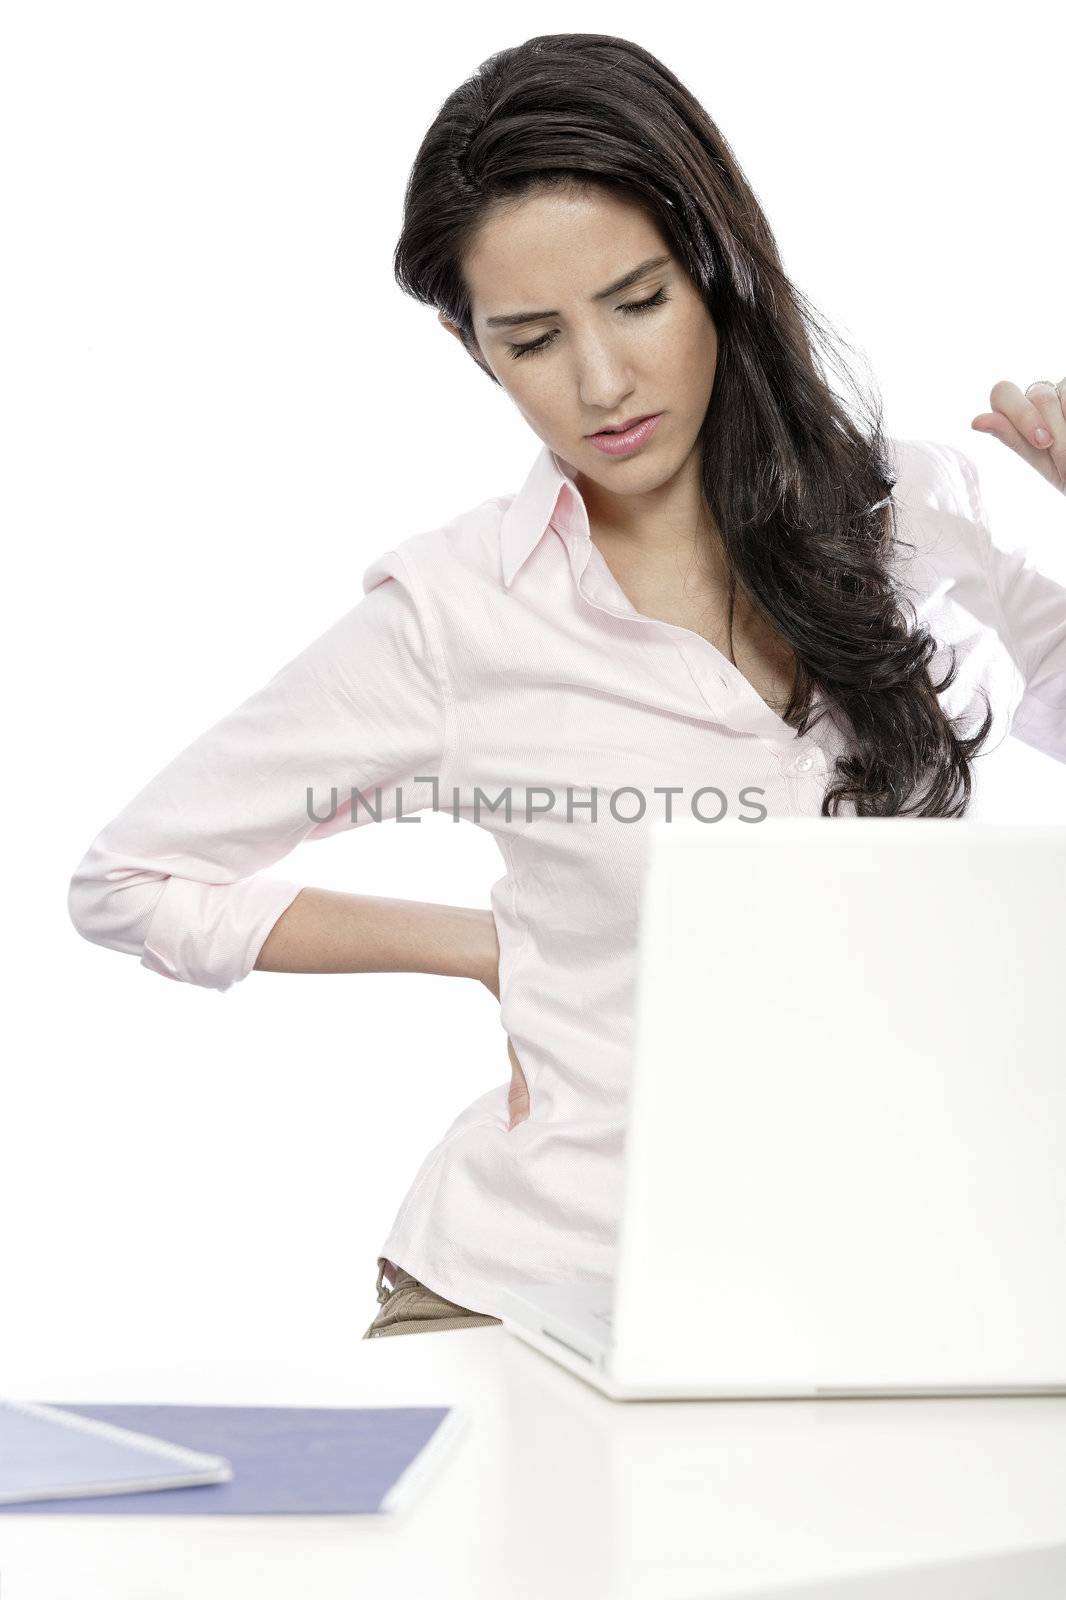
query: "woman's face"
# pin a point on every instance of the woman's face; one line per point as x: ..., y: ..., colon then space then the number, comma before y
x: 586, y: 360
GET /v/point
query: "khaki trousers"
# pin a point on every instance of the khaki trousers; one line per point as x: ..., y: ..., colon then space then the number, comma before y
x: 410, y: 1307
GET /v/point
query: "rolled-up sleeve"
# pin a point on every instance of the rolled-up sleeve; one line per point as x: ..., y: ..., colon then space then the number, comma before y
x: 177, y: 878
x: 1033, y: 607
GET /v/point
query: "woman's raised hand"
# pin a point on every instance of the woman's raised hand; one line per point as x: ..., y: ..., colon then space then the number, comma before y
x: 1032, y: 424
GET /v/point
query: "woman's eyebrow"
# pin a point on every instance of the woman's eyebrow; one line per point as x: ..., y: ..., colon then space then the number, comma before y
x: 516, y: 318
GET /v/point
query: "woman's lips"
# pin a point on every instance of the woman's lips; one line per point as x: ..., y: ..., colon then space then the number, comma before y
x: 624, y: 444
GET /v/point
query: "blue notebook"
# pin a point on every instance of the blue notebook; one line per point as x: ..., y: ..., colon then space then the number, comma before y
x: 53, y: 1453
x: 262, y: 1459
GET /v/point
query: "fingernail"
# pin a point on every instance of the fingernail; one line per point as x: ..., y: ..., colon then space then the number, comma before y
x: 1042, y: 436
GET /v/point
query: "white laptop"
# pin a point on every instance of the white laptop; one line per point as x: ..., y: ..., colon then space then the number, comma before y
x: 845, y: 1164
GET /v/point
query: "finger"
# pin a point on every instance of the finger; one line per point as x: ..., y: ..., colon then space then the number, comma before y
x: 1020, y: 410
x: 1048, y: 399
x: 995, y: 423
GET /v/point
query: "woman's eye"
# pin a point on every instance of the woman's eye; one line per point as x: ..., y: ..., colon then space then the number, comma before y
x: 518, y: 350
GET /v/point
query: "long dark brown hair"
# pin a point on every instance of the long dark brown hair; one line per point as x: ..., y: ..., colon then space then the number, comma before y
x: 800, y: 490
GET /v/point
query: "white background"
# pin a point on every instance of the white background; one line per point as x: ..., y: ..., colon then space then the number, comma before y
x: 218, y: 409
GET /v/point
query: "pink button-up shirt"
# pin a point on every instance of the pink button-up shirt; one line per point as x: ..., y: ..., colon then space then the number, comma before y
x: 495, y: 668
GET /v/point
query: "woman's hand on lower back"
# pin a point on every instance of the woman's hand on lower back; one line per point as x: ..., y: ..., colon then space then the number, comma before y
x: 518, y: 1094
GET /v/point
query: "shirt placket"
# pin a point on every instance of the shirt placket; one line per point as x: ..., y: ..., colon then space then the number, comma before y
x: 722, y: 687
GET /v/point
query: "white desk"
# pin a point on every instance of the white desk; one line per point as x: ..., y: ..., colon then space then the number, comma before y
x: 557, y: 1492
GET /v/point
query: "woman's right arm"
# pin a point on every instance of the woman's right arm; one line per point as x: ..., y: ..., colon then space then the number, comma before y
x: 326, y: 931
x: 177, y: 877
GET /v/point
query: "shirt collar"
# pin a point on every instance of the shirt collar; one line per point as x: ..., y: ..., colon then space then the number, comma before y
x: 549, y: 494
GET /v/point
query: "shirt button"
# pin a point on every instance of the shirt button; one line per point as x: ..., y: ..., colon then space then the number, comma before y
x: 804, y: 763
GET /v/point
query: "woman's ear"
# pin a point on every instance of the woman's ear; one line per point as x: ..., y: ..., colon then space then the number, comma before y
x: 473, y: 350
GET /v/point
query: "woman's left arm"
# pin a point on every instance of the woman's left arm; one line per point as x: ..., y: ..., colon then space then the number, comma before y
x: 1033, y: 425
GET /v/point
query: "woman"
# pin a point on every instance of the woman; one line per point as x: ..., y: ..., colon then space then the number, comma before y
x: 751, y: 605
